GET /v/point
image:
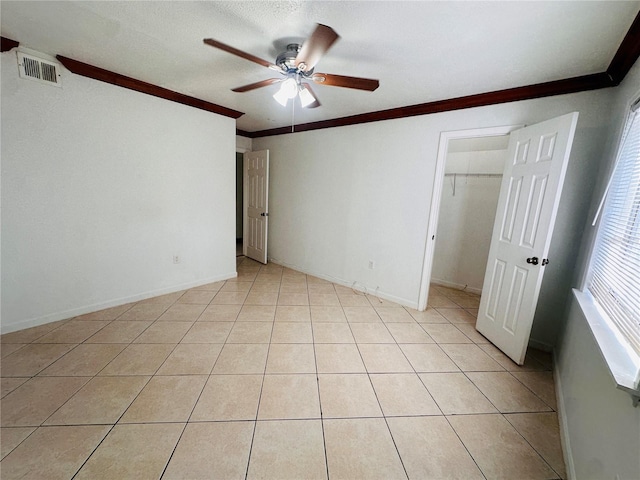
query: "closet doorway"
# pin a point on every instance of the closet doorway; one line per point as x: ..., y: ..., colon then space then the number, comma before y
x: 467, y: 183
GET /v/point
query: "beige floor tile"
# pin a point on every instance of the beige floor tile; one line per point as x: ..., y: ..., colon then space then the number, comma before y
x: 507, y: 456
x: 212, y: 450
x: 361, y: 448
x: 347, y: 395
x: 470, y: 358
x: 7, y: 349
x: 119, y: 332
x: 265, y: 288
x: 31, y: 403
x: 8, y: 385
x: 467, y: 302
x: 139, y: 359
x: 428, y: 358
x: 384, y: 358
x: 403, y: 395
x: 473, y: 312
x: 327, y: 299
x: 338, y: 358
x: 208, y: 332
x: 182, y: 312
x: 166, y: 399
x: 191, y: 359
x: 540, y: 383
x: 332, y: 333
x: 293, y: 313
x: 11, y: 438
x: 84, y: 360
x: 268, y: 277
x: 133, y: 451
x: 292, y: 332
x: 297, y: 287
x: 457, y: 315
x: 261, y: 298
x: 164, y: 332
x: 237, y: 286
x: 101, y: 401
x: 324, y: 288
x: 229, y: 298
x: 106, y: 314
x: 529, y: 363
x: 541, y: 430
x: 29, y: 335
x: 242, y: 358
x: 257, y: 313
x: 430, y: 315
x: 321, y: 313
x: 220, y: 313
x: 244, y: 276
x: 376, y: 302
x: 394, y: 315
x: 144, y: 311
x: 456, y: 394
x: 353, y: 300
x: 289, y: 397
x: 31, y: 359
x: 440, y: 301
x: 228, y: 397
x: 544, y: 358
x: 470, y: 331
x: 506, y: 392
x: 316, y: 280
x: 214, y: 287
x: 250, y: 332
x: 409, y: 333
x: 293, y: 299
x: 288, y: 449
x: 446, y: 457
x: 166, y: 299
x: 53, y: 452
x: 73, y: 331
x: 291, y: 358
x: 361, y: 314
x: 371, y: 333
x: 445, y: 333
x: 199, y: 297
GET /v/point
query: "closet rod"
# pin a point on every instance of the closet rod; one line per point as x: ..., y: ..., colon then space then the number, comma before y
x: 456, y: 175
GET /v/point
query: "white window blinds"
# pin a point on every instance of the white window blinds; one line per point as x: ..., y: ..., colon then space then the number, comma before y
x: 615, y: 265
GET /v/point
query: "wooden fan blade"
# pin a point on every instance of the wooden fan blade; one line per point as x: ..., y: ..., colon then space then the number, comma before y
x: 316, y: 103
x: 315, y: 47
x: 253, y: 86
x: 240, y: 53
x: 347, y: 82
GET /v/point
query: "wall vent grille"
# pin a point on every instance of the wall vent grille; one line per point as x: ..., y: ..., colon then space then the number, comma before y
x: 42, y: 71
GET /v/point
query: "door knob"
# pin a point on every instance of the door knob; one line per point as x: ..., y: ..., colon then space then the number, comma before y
x: 545, y: 261
x: 532, y: 260
x: 263, y: 214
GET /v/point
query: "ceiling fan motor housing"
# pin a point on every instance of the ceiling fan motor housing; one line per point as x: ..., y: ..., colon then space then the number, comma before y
x: 287, y: 60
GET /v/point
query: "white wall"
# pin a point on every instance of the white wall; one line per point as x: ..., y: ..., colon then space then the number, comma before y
x: 343, y: 196
x: 101, y: 187
x: 603, y: 427
x: 465, y: 222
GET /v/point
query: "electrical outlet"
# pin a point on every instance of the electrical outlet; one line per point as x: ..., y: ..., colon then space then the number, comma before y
x: 176, y: 259
x: 372, y: 264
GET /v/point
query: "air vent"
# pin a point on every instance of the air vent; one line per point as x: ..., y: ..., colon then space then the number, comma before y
x: 40, y: 70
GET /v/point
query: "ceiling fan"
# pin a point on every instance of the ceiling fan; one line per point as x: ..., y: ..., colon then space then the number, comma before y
x: 296, y: 67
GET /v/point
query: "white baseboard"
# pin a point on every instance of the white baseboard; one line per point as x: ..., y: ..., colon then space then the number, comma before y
x: 456, y: 286
x: 562, y: 421
x: 355, y: 285
x: 74, y: 312
x: 545, y: 347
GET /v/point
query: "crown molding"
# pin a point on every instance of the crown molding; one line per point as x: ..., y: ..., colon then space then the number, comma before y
x: 7, y: 44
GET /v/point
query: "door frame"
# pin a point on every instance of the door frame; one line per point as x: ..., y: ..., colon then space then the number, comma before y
x: 436, y: 196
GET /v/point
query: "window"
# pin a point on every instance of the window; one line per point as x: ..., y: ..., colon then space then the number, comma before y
x: 614, y: 279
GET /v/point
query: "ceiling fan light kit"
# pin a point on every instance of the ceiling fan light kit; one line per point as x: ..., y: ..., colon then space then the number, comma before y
x: 296, y: 64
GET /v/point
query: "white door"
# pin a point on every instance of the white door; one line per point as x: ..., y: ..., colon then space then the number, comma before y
x: 256, y: 205
x: 529, y: 197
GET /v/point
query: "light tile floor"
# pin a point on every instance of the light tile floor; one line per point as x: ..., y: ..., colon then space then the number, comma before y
x: 274, y: 374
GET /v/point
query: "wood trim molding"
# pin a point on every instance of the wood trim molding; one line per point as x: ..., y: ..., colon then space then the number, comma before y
x: 7, y: 44
x: 627, y: 53
x: 113, y: 78
x: 243, y: 133
x: 558, y: 87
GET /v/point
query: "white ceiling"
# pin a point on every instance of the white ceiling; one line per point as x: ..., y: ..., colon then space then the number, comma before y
x: 420, y: 51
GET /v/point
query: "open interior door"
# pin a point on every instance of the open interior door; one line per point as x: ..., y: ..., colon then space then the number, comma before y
x: 529, y: 196
x: 256, y: 205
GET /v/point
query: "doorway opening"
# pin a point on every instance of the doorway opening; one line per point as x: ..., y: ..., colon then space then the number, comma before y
x: 466, y: 187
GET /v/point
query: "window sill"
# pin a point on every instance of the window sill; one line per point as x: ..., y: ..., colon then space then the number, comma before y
x: 623, y: 363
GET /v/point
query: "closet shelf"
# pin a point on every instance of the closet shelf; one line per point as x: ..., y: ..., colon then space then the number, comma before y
x: 456, y: 175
